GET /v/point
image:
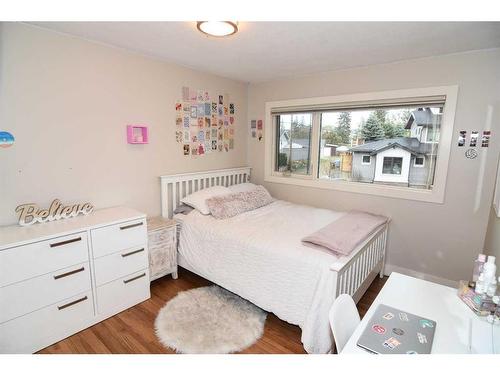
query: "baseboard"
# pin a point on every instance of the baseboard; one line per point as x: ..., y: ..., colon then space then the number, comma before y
x: 420, y: 275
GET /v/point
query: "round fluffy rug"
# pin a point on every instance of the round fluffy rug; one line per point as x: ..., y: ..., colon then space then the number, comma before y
x: 209, y: 320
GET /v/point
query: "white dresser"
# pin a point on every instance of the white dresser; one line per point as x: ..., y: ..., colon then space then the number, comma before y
x: 61, y: 277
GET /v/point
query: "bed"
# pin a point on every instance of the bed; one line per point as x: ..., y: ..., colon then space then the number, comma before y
x: 259, y: 256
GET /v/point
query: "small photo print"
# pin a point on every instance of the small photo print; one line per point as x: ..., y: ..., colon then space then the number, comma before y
x: 231, y: 108
x: 214, y: 120
x: 194, y: 150
x: 220, y: 110
x: 259, y: 135
x: 231, y: 143
x: 226, y: 112
x: 199, y: 95
x: 185, y: 94
x: 208, y: 147
x: 201, y: 149
x: 194, y: 111
x: 206, y: 96
x: 186, y: 136
x: 231, y: 120
x: 207, y: 109
x: 226, y: 146
x: 186, y: 107
x: 179, y: 136
x: 178, y: 107
x: 207, y: 122
x: 221, y: 99
x: 461, y: 138
x: 474, y: 135
x: 214, y: 107
x: 186, y: 150
x: 207, y: 135
x: 201, y: 109
x: 254, y: 134
x: 201, y: 122
x: 253, y: 124
x: 192, y: 95
x: 485, y: 141
x: 178, y: 122
x: 214, y: 145
x: 186, y: 121
x: 201, y: 136
x: 259, y: 125
x: 214, y: 133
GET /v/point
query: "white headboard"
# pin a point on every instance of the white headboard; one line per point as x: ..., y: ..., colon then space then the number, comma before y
x: 174, y: 187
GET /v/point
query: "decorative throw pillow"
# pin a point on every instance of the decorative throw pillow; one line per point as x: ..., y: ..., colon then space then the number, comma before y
x: 197, y: 200
x: 239, y: 188
x: 226, y: 206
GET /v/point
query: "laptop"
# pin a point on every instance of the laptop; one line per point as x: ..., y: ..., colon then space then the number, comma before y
x: 392, y: 331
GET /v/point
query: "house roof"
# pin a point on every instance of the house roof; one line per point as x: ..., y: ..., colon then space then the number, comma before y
x: 423, y: 117
x: 412, y: 145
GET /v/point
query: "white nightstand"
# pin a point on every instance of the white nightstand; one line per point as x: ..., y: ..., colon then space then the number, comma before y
x: 162, y: 244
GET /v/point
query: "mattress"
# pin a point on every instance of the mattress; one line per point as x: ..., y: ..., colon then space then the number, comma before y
x: 259, y: 256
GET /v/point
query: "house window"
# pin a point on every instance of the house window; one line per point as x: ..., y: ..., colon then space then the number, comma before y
x: 392, y: 165
x: 293, y: 143
x: 419, y: 161
x: 329, y: 142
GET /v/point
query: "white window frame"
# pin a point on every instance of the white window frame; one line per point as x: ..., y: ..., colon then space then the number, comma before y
x: 436, y: 195
x: 419, y: 165
x: 363, y: 163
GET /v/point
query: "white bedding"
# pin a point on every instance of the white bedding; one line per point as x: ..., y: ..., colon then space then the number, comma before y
x: 259, y: 256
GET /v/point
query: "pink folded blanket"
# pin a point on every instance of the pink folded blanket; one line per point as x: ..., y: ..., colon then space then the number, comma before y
x: 345, y: 234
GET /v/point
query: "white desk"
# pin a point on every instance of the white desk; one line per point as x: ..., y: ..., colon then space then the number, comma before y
x: 439, y: 303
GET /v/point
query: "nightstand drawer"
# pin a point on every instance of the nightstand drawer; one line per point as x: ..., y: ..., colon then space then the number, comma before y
x: 120, y: 294
x: 122, y: 263
x: 114, y: 238
x: 38, y: 258
x: 33, y: 294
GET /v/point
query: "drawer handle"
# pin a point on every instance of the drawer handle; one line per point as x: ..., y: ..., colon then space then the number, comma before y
x: 69, y: 273
x: 55, y: 244
x: 132, y: 252
x: 72, y: 303
x: 131, y: 226
x: 134, y: 278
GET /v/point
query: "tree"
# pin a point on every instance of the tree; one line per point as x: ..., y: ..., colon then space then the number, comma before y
x: 372, y: 130
x: 344, y: 127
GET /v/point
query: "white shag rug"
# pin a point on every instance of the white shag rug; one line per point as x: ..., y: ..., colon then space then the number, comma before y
x: 209, y: 320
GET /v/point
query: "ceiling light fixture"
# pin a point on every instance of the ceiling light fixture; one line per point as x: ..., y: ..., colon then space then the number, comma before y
x: 217, y: 28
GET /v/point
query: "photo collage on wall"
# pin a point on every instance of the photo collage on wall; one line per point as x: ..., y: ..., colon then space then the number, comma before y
x: 204, y: 123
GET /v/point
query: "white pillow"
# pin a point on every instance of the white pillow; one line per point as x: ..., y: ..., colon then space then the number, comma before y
x: 241, y: 188
x: 197, y: 200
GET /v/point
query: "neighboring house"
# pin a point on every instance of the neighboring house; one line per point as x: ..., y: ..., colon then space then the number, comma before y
x: 298, y: 149
x: 403, y: 161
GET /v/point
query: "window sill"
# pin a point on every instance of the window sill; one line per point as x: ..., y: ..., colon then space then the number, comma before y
x: 432, y: 196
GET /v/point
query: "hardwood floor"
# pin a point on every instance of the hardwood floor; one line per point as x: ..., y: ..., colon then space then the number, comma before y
x: 132, y: 331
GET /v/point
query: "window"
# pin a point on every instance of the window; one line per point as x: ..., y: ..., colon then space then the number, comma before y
x: 293, y: 143
x: 419, y: 161
x: 392, y: 165
x: 364, y: 143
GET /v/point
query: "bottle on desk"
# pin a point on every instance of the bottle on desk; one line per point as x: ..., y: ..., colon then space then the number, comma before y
x: 478, y: 266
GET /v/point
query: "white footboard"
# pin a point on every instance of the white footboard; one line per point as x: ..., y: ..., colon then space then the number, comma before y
x: 355, y: 276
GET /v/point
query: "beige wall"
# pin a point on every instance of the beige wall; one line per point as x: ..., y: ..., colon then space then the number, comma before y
x: 492, y: 241
x: 439, y: 240
x: 67, y: 102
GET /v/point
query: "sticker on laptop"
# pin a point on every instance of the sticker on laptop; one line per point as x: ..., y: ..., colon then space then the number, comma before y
x: 426, y: 323
x: 391, y: 343
x: 388, y: 316
x: 421, y: 338
x: 398, y: 331
x: 411, y: 352
x: 378, y: 329
x: 403, y: 317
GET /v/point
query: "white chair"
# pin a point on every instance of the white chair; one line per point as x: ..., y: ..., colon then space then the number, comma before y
x: 344, y: 318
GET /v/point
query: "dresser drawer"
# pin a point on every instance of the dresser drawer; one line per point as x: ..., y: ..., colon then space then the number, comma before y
x: 27, y: 261
x: 123, y: 293
x: 43, y: 327
x: 114, y: 238
x: 33, y: 294
x: 122, y: 263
